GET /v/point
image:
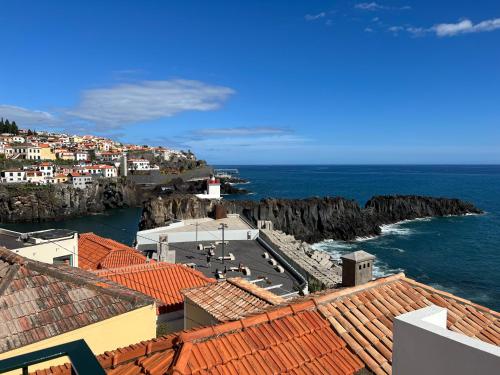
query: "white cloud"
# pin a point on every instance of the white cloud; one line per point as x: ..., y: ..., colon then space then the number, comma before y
x: 465, y: 26
x: 26, y: 117
x: 373, y: 6
x: 368, y: 6
x: 147, y: 100
x: 242, y: 131
x: 313, y: 17
x: 450, y: 29
x: 368, y: 30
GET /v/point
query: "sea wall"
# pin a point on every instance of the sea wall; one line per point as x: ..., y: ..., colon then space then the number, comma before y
x: 313, y: 219
x: 33, y: 203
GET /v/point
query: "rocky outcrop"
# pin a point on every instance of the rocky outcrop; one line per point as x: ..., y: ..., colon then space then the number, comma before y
x: 312, y: 219
x: 31, y: 203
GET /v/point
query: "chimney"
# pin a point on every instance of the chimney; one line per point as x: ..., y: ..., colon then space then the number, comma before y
x: 165, y: 254
x: 357, y: 268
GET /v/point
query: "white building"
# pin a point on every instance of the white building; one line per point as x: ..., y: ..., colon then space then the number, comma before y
x: 47, y: 169
x: 104, y: 170
x: 33, y: 153
x: 13, y: 176
x: 35, y: 177
x: 79, y: 180
x: 109, y: 156
x: 82, y: 156
x: 51, y: 246
x: 213, y: 189
x: 18, y: 139
x: 139, y: 165
x: 424, y: 345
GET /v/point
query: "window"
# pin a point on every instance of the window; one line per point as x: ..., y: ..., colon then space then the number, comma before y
x: 360, y: 266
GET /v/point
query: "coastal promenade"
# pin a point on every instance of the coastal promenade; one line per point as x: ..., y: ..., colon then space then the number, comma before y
x: 316, y: 266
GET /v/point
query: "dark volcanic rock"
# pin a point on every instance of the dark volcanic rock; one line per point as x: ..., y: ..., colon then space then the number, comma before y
x: 311, y: 219
x: 30, y: 203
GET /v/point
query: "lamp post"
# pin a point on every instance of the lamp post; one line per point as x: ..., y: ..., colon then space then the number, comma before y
x: 222, y: 227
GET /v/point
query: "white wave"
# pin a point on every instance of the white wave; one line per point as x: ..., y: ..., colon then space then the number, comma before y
x: 395, y: 229
x: 367, y: 238
x: 338, y: 248
x: 380, y: 269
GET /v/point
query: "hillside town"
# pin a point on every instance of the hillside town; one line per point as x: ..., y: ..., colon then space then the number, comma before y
x: 42, y: 157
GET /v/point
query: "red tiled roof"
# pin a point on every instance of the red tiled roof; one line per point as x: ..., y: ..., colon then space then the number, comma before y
x: 363, y: 316
x: 232, y: 299
x: 96, y: 252
x: 162, y: 281
x: 291, y: 340
x: 39, y: 301
x: 148, y: 357
x: 334, y: 332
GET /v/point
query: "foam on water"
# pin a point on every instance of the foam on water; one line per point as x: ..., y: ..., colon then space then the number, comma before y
x: 338, y: 248
x: 395, y: 229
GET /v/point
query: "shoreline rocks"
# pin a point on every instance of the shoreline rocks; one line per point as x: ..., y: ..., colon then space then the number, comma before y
x: 311, y: 219
x: 35, y: 203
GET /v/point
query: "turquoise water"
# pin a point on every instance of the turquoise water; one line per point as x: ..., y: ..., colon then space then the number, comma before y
x: 457, y: 254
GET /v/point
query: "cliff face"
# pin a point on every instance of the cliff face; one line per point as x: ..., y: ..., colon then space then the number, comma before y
x: 312, y: 219
x: 27, y: 203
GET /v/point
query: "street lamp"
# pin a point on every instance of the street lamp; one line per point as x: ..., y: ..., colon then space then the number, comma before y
x: 222, y: 227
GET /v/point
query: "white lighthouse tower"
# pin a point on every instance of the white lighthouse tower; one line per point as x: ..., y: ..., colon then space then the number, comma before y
x: 213, y: 189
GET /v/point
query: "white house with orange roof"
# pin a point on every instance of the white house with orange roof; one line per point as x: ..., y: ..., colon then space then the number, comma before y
x: 104, y: 170
x: 46, y: 168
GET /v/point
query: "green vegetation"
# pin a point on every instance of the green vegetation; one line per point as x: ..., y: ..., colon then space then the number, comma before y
x: 8, y: 127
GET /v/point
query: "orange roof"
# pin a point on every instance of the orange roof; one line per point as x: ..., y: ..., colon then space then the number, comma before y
x: 338, y: 331
x: 363, y: 316
x: 159, y: 355
x: 159, y: 280
x: 96, y: 252
x: 292, y: 340
x: 232, y: 299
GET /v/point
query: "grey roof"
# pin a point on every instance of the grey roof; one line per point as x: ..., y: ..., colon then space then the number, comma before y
x: 358, y: 256
x: 39, y: 301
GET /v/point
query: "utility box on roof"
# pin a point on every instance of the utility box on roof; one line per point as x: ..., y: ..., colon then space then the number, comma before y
x: 357, y: 268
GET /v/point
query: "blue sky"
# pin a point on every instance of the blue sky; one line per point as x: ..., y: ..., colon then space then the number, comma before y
x: 262, y: 82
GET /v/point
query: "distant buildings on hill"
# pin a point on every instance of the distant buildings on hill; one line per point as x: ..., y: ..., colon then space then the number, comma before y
x: 72, y: 159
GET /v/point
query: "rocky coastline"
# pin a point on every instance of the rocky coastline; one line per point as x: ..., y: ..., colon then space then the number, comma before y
x: 34, y: 203
x: 312, y: 219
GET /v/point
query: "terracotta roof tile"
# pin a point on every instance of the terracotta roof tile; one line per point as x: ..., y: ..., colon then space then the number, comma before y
x: 363, y: 316
x: 232, y: 299
x: 96, y: 252
x: 162, y: 281
x: 39, y: 301
x: 337, y: 332
x: 289, y: 344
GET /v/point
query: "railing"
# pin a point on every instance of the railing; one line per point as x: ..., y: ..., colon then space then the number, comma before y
x: 83, y: 361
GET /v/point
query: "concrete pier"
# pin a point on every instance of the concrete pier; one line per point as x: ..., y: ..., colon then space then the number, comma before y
x: 316, y: 266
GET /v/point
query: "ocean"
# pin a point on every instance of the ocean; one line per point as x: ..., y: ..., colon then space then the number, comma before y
x: 457, y: 254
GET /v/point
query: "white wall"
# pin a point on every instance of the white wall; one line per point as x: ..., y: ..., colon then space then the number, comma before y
x: 150, y: 239
x: 423, y: 345
x: 47, y: 251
